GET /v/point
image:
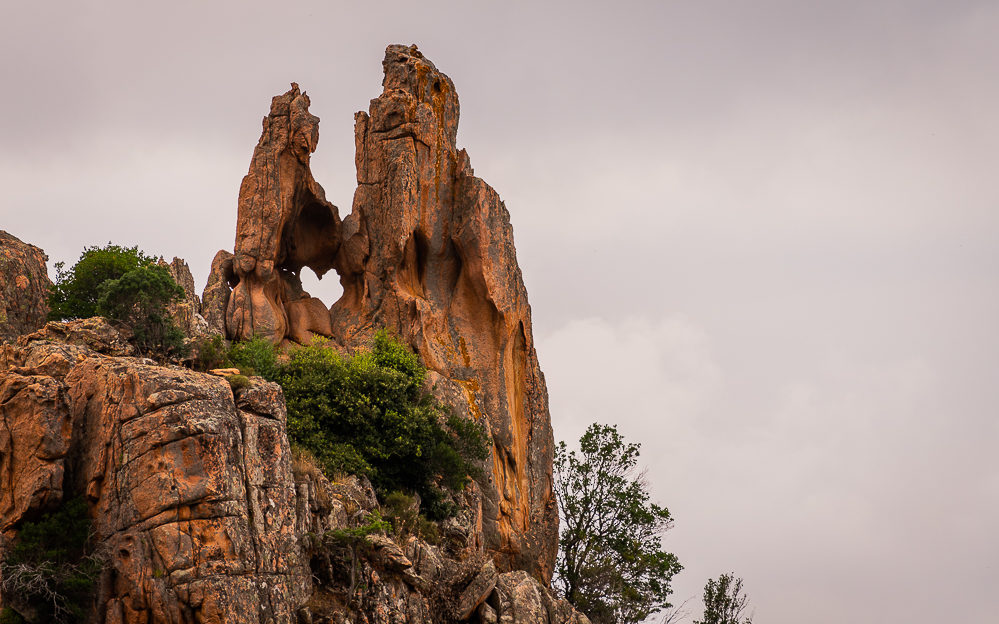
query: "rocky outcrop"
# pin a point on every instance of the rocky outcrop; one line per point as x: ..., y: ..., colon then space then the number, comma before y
x: 203, y: 512
x: 284, y: 224
x: 190, y: 488
x: 186, y: 313
x: 24, y: 287
x: 427, y: 252
x: 215, y: 297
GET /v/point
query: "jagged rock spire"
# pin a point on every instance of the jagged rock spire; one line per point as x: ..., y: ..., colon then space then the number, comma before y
x: 427, y: 252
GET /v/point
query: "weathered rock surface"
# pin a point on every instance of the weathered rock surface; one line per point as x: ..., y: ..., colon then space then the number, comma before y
x: 284, y: 224
x: 190, y: 490
x: 24, y: 287
x: 215, y: 297
x: 186, y: 313
x: 430, y: 254
x: 427, y: 252
x: 203, y: 511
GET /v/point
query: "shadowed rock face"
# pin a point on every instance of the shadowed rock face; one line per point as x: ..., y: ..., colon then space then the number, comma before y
x: 24, y: 287
x: 426, y: 252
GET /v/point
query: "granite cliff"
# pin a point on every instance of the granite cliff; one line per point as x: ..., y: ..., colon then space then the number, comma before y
x: 200, y: 511
x: 426, y: 252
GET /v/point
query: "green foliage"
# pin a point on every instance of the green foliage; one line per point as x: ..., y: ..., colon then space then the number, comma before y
x: 124, y: 285
x: 403, y: 512
x: 238, y: 382
x: 139, y: 299
x: 373, y: 523
x: 10, y: 616
x: 256, y: 356
x: 76, y: 290
x: 724, y: 601
x: 610, y: 563
x: 209, y: 353
x: 369, y: 414
x: 50, y: 568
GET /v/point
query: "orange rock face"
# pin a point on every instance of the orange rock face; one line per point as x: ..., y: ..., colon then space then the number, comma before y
x: 202, y: 513
x: 429, y: 253
x: 284, y: 224
x: 426, y: 252
x: 24, y: 287
x: 190, y: 489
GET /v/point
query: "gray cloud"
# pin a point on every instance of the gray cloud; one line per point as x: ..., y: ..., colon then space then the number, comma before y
x: 760, y: 236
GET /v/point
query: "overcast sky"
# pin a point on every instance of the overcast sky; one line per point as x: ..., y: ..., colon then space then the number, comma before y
x: 761, y: 237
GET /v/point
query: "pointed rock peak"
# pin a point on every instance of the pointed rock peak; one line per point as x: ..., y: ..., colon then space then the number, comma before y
x: 408, y: 72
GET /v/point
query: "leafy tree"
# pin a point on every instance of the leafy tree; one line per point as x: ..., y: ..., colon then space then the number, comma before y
x: 139, y: 299
x: 124, y: 285
x: 76, y: 290
x: 610, y: 565
x: 724, y: 601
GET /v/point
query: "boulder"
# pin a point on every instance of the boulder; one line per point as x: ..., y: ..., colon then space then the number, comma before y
x: 24, y: 287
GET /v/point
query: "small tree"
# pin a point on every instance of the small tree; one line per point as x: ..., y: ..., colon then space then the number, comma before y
x: 76, y: 290
x: 139, y: 299
x: 124, y: 285
x: 724, y: 601
x: 610, y: 565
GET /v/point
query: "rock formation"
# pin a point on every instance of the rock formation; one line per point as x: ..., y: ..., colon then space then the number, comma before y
x: 215, y: 298
x: 190, y: 490
x: 200, y: 510
x: 284, y: 224
x: 427, y: 252
x: 186, y: 313
x: 24, y: 289
x: 199, y: 507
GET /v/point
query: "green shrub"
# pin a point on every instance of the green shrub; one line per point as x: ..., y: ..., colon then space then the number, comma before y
x: 50, y: 566
x: 256, y: 356
x: 76, y: 290
x: 124, y: 285
x: 238, y: 382
x: 403, y: 513
x: 139, y: 300
x: 369, y: 414
x: 209, y: 353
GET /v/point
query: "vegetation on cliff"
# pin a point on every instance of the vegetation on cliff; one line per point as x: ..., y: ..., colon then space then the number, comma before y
x: 610, y: 564
x: 124, y: 285
x: 49, y: 571
x: 370, y: 414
